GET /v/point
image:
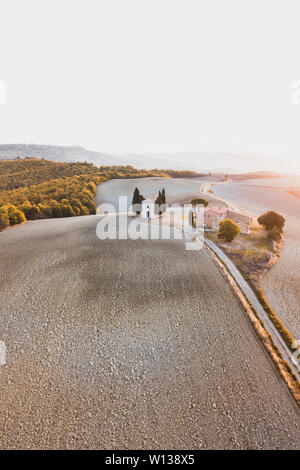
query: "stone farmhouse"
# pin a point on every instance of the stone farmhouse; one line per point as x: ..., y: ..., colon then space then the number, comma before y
x: 214, y: 215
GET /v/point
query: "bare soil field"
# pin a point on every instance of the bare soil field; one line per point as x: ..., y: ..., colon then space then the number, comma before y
x: 281, y: 284
x: 294, y: 192
x: 129, y: 344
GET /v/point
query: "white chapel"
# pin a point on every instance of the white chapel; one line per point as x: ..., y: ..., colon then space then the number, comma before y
x: 148, y: 209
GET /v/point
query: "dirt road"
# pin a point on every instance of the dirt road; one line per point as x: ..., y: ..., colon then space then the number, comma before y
x: 129, y: 344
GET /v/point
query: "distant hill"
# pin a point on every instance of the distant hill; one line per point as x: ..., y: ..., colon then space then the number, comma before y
x: 256, y: 175
x: 202, y: 162
x: 216, y: 162
x: 55, y: 153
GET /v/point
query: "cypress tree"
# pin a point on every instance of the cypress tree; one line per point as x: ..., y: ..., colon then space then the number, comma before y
x: 158, y: 203
x: 136, y: 201
x: 136, y: 197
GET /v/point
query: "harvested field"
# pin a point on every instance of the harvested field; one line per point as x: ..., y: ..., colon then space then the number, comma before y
x: 129, y: 344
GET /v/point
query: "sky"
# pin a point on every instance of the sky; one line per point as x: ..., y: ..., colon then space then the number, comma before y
x: 143, y: 76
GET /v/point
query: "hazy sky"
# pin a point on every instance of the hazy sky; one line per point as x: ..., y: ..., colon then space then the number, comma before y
x: 152, y: 75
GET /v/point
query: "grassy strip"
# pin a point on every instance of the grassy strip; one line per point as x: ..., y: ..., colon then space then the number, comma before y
x: 286, y: 335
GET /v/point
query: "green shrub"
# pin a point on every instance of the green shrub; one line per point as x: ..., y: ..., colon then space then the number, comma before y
x: 275, y: 234
x: 92, y: 187
x: 45, y: 210
x: 55, y: 209
x: 288, y: 338
x: 9, y: 208
x: 256, y: 256
x: 228, y: 230
x: 31, y: 211
x: 201, y: 201
x: 4, y: 218
x: 17, y: 217
x: 85, y: 211
x: 270, y: 220
x: 67, y: 211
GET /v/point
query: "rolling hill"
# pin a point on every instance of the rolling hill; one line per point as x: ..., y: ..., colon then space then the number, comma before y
x: 205, y: 161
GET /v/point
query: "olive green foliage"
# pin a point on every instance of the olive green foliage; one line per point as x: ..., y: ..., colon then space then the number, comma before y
x: 10, y: 215
x: 4, y: 218
x: 129, y: 171
x: 34, y: 189
x: 199, y: 201
x: 31, y: 211
x: 228, y: 230
x: 27, y: 172
x: 182, y: 173
x: 271, y: 220
x: 17, y: 217
x: 288, y: 338
x: 275, y: 234
x: 52, y: 198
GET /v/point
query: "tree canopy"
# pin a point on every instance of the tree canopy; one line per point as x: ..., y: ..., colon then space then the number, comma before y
x: 137, y: 200
x: 199, y: 201
x: 228, y: 230
x: 160, y: 201
x: 271, y: 219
